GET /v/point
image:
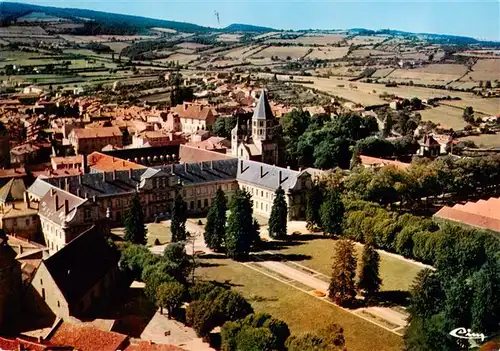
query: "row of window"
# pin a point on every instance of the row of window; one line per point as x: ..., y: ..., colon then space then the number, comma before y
x: 257, y: 192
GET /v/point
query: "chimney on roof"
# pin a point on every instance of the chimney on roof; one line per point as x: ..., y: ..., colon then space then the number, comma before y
x: 104, y: 176
x: 130, y: 173
x: 26, y: 199
x: 56, y: 201
x: 66, y: 207
x: 114, y: 174
x: 84, y: 164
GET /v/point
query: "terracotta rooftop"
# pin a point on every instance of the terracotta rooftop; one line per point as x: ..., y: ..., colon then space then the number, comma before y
x: 87, y: 338
x: 481, y: 214
x: 68, y: 160
x: 12, y: 173
x: 103, y: 132
x: 147, y: 346
x: 379, y: 162
x: 194, y: 111
x: 212, y: 143
x: 102, y: 162
x: 189, y: 154
x: 56, y: 173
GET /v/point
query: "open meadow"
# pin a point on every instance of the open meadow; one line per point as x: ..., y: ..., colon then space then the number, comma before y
x: 326, y: 39
x: 301, y: 311
x: 282, y: 52
x: 444, y: 116
x: 485, y: 140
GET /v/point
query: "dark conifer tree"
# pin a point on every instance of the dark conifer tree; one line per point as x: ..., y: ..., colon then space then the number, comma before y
x: 342, y: 288
x: 279, y: 215
x: 215, y: 229
x: 135, y: 231
x: 179, y: 217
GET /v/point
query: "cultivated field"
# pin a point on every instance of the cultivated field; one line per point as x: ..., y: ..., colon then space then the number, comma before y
x: 445, y: 116
x: 361, y: 39
x: 191, y: 45
x: 301, y: 311
x: 181, y: 58
x: 485, y: 140
x: 311, y: 39
x: 229, y: 37
x: 488, y: 69
x: 430, y: 74
x: 365, y: 95
x: 328, y: 53
x: 283, y: 52
x: 370, y: 52
x: 241, y: 52
x: 117, y: 46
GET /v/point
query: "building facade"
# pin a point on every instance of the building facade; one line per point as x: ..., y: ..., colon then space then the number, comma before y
x: 78, y: 278
x: 87, y: 140
x: 10, y: 284
x: 262, y: 180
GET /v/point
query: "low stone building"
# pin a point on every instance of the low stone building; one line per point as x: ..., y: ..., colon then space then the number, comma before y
x: 87, y: 140
x: 78, y: 278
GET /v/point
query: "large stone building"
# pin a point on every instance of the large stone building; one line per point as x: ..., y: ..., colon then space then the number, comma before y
x: 190, y: 117
x: 258, y: 141
x: 261, y: 181
x: 79, y: 277
x: 87, y: 140
x: 10, y: 284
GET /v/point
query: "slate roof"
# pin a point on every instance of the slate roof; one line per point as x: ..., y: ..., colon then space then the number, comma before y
x: 83, y: 262
x: 103, y: 184
x: 40, y: 187
x: 263, y: 109
x: 12, y: 191
x: 266, y: 176
x: 48, y: 209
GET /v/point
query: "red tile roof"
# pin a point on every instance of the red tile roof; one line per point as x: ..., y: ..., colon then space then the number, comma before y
x: 194, y: 111
x: 189, y: 154
x: 484, y: 215
x: 147, y: 346
x: 12, y: 173
x: 379, y: 162
x: 87, y: 338
x: 103, y: 132
x: 28, y: 345
x: 103, y: 162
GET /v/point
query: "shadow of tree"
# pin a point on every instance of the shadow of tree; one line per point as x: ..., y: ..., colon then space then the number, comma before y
x: 132, y: 312
x: 209, y: 264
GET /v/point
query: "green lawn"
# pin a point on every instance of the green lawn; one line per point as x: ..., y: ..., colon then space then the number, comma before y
x: 396, y: 274
x: 302, y: 312
x: 158, y: 231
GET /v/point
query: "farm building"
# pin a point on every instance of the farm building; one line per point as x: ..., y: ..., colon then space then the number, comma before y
x: 483, y: 214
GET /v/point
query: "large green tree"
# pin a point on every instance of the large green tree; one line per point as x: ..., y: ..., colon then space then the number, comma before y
x: 169, y: 295
x: 329, y: 338
x: 342, y: 289
x: 279, y: 215
x: 179, y: 217
x: 314, y: 199
x: 332, y: 214
x: 240, y: 232
x: 215, y: 229
x: 369, y: 276
x: 486, y: 302
x: 135, y: 230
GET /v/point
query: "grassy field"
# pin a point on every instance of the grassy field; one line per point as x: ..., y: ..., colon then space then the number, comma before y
x: 311, y: 39
x: 485, y: 140
x: 396, y: 274
x: 445, y: 116
x: 283, y: 52
x: 327, y: 53
x: 302, y: 312
x: 364, y: 95
x: 431, y: 74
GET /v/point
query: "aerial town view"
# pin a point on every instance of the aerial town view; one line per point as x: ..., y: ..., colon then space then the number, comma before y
x: 249, y: 175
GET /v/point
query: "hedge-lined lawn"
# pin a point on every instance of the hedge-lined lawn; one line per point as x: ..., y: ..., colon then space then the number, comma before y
x: 158, y: 231
x: 302, y: 312
x: 396, y: 274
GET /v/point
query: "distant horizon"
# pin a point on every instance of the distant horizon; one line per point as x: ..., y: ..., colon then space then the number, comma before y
x: 479, y: 20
